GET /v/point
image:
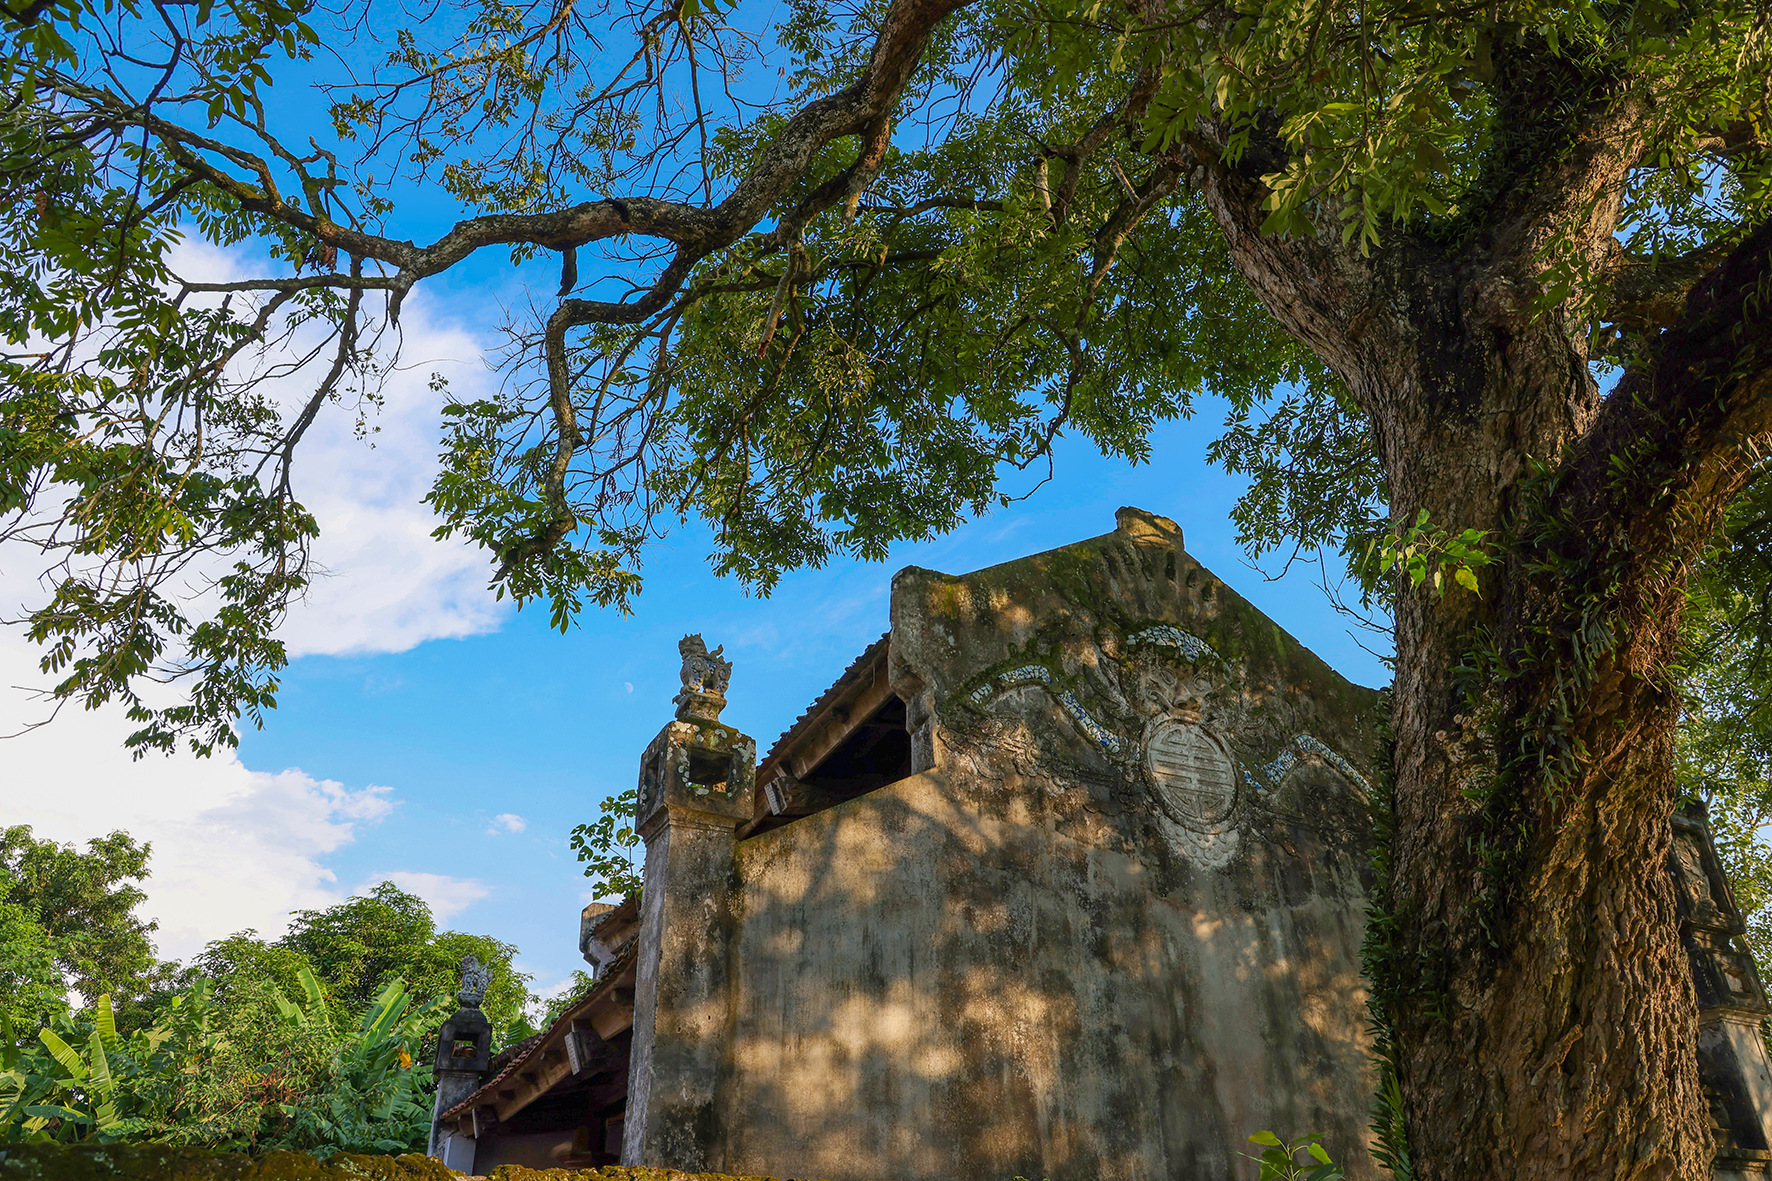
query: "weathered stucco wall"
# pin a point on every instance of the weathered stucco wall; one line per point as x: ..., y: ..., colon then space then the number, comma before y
x: 1113, y: 926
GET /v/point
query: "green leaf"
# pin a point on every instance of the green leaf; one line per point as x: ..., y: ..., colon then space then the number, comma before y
x: 101, y: 1066
x: 56, y: 1111
x: 105, y: 1018
x: 64, y: 1054
x: 1267, y: 1138
x: 316, y: 998
x: 1466, y: 578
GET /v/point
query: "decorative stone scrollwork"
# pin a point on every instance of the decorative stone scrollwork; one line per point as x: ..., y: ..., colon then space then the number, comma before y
x: 1287, y: 759
x: 1188, y: 644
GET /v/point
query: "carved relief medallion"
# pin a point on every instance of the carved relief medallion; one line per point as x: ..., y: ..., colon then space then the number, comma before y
x: 1195, y: 781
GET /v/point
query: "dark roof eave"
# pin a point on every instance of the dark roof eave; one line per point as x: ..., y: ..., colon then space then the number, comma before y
x: 529, y: 1047
x: 864, y: 663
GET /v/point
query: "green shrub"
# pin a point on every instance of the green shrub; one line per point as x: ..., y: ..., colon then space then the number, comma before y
x: 256, y: 1073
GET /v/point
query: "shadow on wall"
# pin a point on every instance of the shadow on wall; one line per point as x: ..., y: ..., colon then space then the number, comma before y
x: 942, y: 992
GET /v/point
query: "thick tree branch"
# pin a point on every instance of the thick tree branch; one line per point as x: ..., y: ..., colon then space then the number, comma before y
x: 1681, y: 433
x: 1649, y: 293
x: 862, y: 107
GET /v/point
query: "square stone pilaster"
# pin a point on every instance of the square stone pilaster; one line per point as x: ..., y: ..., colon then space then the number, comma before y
x: 696, y: 781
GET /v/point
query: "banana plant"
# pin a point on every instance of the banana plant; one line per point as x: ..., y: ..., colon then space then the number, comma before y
x: 376, y: 1098
x: 313, y: 1014
x: 86, y: 1094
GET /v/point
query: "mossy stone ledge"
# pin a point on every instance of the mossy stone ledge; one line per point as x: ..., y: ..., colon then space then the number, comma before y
x: 158, y: 1162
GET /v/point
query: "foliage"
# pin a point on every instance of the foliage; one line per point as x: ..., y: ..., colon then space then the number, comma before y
x: 1725, y: 739
x: 31, y: 987
x: 1426, y: 552
x: 1280, y: 1161
x: 358, y: 946
x: 243, y: 959
x: 84, y: 904
x: 610, y: 848
x: 375, y: 1098
x: 1385, y: 962
x: 255, y: 1072
x: 577, y: 986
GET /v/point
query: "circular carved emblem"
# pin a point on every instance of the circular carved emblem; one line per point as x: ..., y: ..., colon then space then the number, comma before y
x: 1193, y: 776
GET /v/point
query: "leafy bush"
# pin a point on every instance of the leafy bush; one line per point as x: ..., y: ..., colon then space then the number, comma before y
x: 258, y: 1072
x: 1280, y: 1162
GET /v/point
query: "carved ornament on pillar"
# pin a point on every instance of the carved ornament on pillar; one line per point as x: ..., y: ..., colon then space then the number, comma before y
x: 705, y: 677
x: 1732, y: 1062
x: 464, y: 1044
x: 475, y: 979
x: 696, y: 764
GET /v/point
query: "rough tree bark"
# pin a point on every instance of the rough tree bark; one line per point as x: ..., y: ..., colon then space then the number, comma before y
x: 1542, y: 1005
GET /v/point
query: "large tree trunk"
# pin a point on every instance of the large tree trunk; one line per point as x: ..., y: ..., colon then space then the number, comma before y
x: 1542, y: 1006
x: 1541, y: 1003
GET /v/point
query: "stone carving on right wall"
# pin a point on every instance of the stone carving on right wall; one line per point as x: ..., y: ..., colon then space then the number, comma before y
x: 1151, y: 717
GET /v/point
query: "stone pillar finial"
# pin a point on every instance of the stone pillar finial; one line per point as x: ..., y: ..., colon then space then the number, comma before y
x: 705, y: 677
x: 464, y: 1054
x: 474, y: 981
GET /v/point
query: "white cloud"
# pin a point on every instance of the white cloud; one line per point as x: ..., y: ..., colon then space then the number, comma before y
x: 388, y: 585
x: 507, y: 822
x: 232, y: 848
x: 446, y: 896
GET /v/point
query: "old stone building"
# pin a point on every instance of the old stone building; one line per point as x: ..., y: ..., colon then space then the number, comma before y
x: 1065, y: 877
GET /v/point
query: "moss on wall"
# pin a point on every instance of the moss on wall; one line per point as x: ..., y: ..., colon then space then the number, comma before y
x: 155, y: 1162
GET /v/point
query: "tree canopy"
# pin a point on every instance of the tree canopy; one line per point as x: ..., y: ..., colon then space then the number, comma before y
x: 364, y: 942
x: 79, y: 908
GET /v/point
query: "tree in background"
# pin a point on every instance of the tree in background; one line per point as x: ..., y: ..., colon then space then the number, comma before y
x: 67, y: 915
x: 244, y: 959
x: 1725, y: 751
x: 254, y: 1044
x: 1406, y: 241
x: 575, y: 989
x: 359, y: 945
x: 32, y: 992
x: 84, y: 904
